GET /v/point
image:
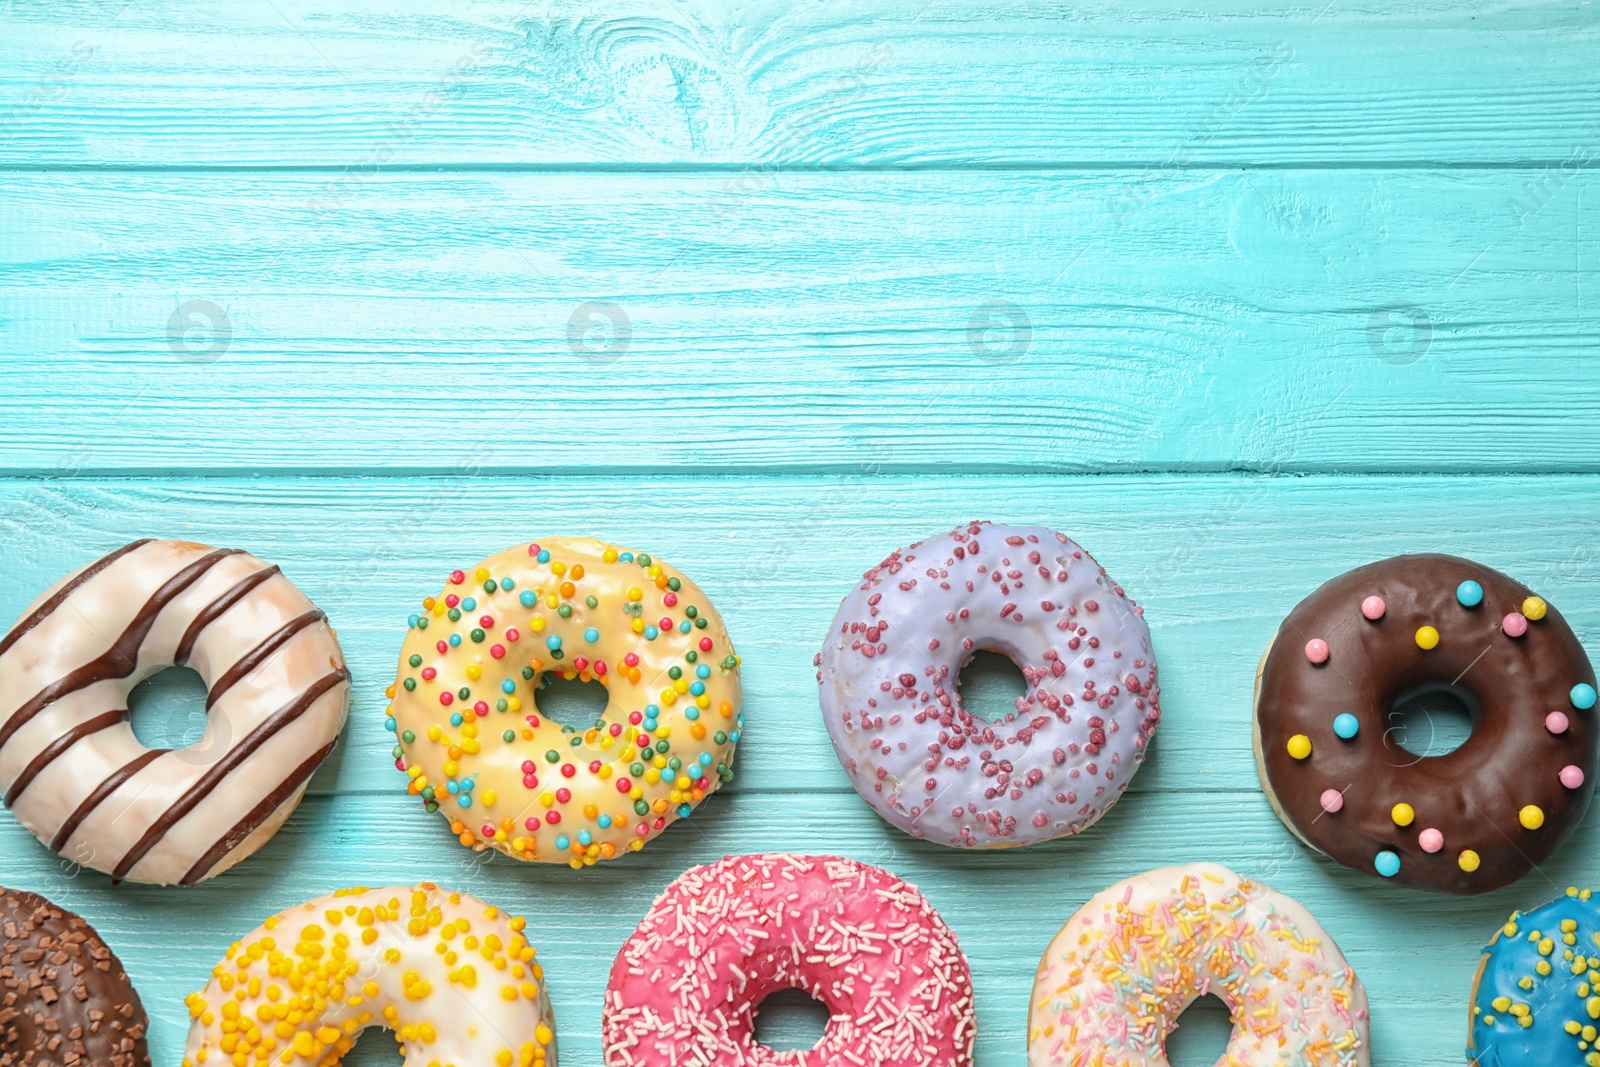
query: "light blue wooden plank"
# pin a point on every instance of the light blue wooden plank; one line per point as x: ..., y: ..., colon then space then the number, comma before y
x: 1296, y: 320
x: 777, y: 85
x: 1215, y: 561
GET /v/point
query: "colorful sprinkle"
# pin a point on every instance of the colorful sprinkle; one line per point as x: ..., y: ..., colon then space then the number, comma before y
x: 1572, y: 776
x: 1514, y: 624
x: 1317, y: 650
x: 1387, y: 863
x: 1430, y: 840
x: 1469, y: 593
x: 1582, y: 696
x: 1531, y: 817
x: 1427, y: 637
x: 1299, y: 746
x: 1402, y: 814
x: 1534, y: 608
x: 1373, y: 608
x: 1468, y: 860
x: 1346, y: 725
x: 1556, y: 722
x: 1332, y: 800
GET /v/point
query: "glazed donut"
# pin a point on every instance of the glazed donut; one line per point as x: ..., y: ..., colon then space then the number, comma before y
x: 452, y: 977
x: 1471, y: 820
x: 894, y: 654
x: 686, y: 986
x: 1536, y: 996
x: 64, y: 997
x: 1114, y: 981
x: 468, y: 730
x: 276, y: 695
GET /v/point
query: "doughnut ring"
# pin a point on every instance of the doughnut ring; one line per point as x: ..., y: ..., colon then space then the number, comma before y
x: 469, y: 735
x: 1114, y: 981
x: 889, y: 670
x: 64, y: 997
x: 71, y: 768
x: 1470, y: 820
x: 686, y: 986
x: 453, y: 977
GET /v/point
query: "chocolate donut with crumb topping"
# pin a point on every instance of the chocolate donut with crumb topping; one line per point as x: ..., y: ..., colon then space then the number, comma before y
x: 64, y: 997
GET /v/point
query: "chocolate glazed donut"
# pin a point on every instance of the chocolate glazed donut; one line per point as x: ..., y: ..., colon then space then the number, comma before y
x: 1468, y: 821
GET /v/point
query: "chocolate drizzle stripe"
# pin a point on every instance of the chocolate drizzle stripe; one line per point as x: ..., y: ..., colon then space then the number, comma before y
x: 257, y: 815
x: 256, y: 656
x: 103, y: 721
x: 214, y: 611
x: 225, y: 766
x: 122, y: 657
x: 44, y: 610
x: 101, y: 791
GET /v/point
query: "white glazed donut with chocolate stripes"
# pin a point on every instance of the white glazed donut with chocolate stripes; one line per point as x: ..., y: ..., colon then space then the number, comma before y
x: 71, y: 769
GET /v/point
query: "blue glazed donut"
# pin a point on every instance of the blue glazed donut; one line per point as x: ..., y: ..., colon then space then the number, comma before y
x: 1536, y: 998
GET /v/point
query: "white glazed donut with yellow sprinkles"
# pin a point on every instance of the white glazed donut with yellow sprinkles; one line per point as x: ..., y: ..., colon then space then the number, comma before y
x: 467, y: 727
x: 453, y: 977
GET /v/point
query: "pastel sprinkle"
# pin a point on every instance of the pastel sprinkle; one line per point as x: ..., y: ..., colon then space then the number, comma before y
x: 1346, y: 725
x: 1332, y: 800
x: 1317, y: 650
x: 1583, y: 696
x: 1469, y: 593
x: 1430, y: 840
x: 1556, y: 722
x: 1373, y: 607
x: 1387, y: 863
x: 1468, y: 860
x: 1402, y: 814
x: 1534, y: 608
x: 1531, y: 817
x: 1515, y: 624
x: 1299, y: 746
x: 1427, y: 637
x: 1572, y: 776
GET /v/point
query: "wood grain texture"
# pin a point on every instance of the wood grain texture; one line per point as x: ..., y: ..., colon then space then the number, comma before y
x: 1300, y: 320
x: 362, y: 86
x: 1215, y: 561
x: 1239, y: 295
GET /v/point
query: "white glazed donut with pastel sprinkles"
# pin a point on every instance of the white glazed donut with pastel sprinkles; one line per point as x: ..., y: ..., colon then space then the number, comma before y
x: 1114, y: 981
x: 468, y: 731
x: 889, y: 671
x: 454, y: 978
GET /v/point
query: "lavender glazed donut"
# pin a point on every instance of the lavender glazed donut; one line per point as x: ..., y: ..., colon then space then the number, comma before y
x: 889, y: 669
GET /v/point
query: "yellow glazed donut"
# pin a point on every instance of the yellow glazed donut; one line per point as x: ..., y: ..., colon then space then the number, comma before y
x: 453, y: 977
x: 468, y: 730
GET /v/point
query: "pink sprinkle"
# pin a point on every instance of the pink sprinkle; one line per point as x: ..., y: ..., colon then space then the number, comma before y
x: 1332, y: 800
x: 1556, y: 722
x: 1317, y: 650
x: 1431, y: 840
x: 1373, y: 607
x: 1571, y: 776
x: 1514, y: 624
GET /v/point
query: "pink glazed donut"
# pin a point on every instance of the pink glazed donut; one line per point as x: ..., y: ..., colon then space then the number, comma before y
x: 896, y: 649
x: 686, y: 986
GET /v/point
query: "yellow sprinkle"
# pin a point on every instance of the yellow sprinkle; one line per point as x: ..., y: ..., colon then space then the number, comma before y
x: 1468, y: 860
x: 1403, y: 816
x: 1531, y: 817
x: 1299, y: 745
x: 1534, y: 608
x: 1427, y: 637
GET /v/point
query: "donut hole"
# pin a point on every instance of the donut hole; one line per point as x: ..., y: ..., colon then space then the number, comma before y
x: 790, y: 1020
x: 1201, y: 1034
x: 572, y: 702
x: 375, y: 1047
x: 168, y: 709
x: 989, y: 686
x: 1432, y: 720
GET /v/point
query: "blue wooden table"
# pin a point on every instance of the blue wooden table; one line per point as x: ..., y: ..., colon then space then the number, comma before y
x: 1238, y: 296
